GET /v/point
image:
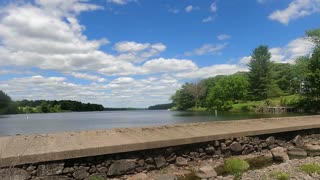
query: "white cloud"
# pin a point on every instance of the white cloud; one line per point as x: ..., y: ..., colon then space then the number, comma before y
x: 288, y: 53
x: 88, y: 76
x: 138, y: 52
x: 245, y: 60
x: 213, y: 7
x: 222, y: 37
x: 207, y: 19
x: 211, y: 71
x: 207, y: 49
x: 189, y: 8
x: 294, y: 49
x: 295, y: 10
x: 168, y: 65
x: 120, y: 2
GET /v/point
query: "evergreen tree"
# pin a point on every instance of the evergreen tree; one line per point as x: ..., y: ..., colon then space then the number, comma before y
x: 260, y: 81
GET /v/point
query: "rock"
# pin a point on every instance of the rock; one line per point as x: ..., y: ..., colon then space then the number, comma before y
x: 150, y: 167
x: 270, y: 140
x: 92, y: 170
x: 206, y: 172
x: 264, y: 145
x: 14, y: 174
x: 210, y: 150
x: 223, y: 147
x: 50, y: 169
x: 139, y: 176
x: 31, y: 168
x: 218, y: 152
x: 247, y: 149
x: 141, y: 162
x: 216, y: 143
x: 102, y: 169
x: 140, y: 169
x: 236, y: 147
x: 297, y: 140
x: 313, y: 150
x: 172, y: 158
x: 80, y: 174
x: 97, y: 176
x: 180, y: 161
x: 297, y: 153
x: 167, y: 177
x: 256, y: 141
x: 149, y: 161
x: 280, y: 154
x: 160, y: 161
x: 53, y: 178
x: 68, y: 170
x: 120, y: 167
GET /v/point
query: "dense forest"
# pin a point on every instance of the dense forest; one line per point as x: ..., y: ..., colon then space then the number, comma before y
x: 265, y: 84
x: 161, y: 106
x: 7, y: 106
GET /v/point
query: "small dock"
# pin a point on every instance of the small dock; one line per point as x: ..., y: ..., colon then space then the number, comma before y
x: 26, y: 149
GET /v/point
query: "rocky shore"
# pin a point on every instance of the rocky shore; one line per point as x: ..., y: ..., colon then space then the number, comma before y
x: 265, y: 154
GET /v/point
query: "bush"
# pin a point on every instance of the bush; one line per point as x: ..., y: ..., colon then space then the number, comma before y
x: 311, y: 168
x: 236, y: 166
x: 280, y: 175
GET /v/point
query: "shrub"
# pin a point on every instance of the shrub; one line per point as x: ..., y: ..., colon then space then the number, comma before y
x: 236, y: 167
x: 280, y: 175
x: 311, y: 168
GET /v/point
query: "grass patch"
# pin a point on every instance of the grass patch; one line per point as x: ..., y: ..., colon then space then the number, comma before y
x: 311, y: 168
x: 279, y: 175
x: 97, y: 178
x: 236, y: 166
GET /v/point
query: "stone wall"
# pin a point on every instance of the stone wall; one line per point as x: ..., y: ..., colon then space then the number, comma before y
x: 283, y: 146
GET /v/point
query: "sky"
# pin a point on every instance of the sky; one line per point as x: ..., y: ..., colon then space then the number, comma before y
x: 137, y: 53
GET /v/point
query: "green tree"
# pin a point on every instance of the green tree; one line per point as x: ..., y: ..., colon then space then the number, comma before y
x: 312, y: 82
x: 314, y: 35
x: 300, y: 71
x: 5, y: 100
x: 260, y: 81
x: 197, y: 90
x: 183, y: 99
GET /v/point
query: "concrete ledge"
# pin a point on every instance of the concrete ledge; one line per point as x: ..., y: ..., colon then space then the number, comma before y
x: 17, y: 150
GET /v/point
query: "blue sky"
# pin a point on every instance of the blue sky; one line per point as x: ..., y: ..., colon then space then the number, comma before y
x: 137, y: 53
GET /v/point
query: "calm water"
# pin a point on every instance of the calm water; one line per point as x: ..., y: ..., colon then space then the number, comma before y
x: 75, y: 121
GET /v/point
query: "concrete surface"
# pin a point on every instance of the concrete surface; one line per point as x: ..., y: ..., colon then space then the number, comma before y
x: 23, y: 149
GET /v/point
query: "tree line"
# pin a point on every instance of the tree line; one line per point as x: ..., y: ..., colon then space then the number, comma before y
x: 296, y: 84
x: 8, y: 106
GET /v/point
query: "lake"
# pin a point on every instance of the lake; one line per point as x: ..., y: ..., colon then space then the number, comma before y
x: 77, y: 121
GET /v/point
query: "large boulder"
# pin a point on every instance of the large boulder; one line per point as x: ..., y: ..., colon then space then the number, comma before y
x: 313, y: 150
x: 297, y: 153
x: 206, y: 172
x: 14, y: 173
x: 280, y: 154
x: 123, y: 166
x: 160, y: 161
x: 297, y: 141
x: 50, y: 169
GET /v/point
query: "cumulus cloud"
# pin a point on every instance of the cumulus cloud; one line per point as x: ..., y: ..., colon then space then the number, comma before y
x: 207, y: 49
x: 168, y: 65
x: 294, y: 49
x: 222, y: 37
x: 295, y: 10
x: 211, y: 71
x: 88, y: 76
x: 288, y: 53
